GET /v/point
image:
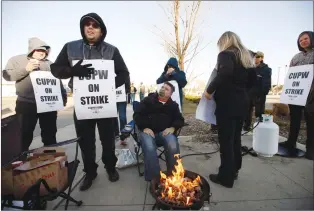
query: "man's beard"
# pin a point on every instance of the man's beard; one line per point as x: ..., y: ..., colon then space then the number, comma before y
x: 161, y: 93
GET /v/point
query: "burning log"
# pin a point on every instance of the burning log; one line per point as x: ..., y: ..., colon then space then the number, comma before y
x: 177, y: 189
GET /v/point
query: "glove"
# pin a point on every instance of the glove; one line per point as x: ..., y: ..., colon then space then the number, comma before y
x: 82, y: 70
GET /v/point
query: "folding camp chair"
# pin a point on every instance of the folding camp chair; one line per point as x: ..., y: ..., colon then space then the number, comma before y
x: 131, y: 129
x: 32, y: 200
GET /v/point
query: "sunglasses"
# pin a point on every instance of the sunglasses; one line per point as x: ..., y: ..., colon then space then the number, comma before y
x: 94, y: 25
x: 258, y: 57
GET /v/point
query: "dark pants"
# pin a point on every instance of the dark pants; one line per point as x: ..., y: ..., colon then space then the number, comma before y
x: 151, y: 161
x: 129, y: 98
x: 229, y: 135
x: 259, y: 104
x: 295, y: 124
x: 141, y: 96
x: 28, y: 116
x: 86, y: 130
x: 132, y: 97
x: 121, y: 107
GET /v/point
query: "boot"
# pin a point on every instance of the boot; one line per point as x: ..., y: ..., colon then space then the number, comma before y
x: 87, y: 182
x: 309, y: 154
x: 236, y: 175
x: 113, y: 175
x: 214, y: 178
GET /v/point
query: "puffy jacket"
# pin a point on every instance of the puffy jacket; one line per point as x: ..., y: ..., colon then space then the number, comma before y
x: 177, y: 75
x: 157, y: 116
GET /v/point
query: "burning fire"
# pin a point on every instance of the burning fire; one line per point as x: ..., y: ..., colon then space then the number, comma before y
x: 177, y: 189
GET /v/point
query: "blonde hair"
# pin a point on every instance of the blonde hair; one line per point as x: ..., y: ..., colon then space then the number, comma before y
x: 231, y: 39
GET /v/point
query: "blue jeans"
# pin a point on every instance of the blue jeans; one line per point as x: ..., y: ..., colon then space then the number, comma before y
x: 141, y: 96
x: 132, y: 96
x: 121, y: 107
x: 151, y: 161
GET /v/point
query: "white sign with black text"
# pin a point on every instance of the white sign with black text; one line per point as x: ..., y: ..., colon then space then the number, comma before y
x: 120, y: 92
x: 175, y: 95
x: 95, y: 95
x: 47, y: 90
x: 205, y: 110
x: 297, y: 85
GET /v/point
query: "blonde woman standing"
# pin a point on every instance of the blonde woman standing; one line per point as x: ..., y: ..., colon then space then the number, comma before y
x: 233, y: 66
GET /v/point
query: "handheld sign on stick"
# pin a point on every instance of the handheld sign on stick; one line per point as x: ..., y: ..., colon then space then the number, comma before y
x: 95, y: 95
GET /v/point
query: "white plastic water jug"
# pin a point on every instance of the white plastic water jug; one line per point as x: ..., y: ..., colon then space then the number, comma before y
x: 266, y: 137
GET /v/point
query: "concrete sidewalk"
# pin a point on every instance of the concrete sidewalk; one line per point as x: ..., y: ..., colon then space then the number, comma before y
x: 264, y: 183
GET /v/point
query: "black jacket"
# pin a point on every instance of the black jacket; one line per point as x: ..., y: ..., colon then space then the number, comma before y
x: 157, y: 116
x: 230, y: 85
x: 80, y: 49
x: 263, y: 83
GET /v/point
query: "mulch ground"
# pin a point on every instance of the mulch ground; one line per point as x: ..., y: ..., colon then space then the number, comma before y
x: 202, y: 133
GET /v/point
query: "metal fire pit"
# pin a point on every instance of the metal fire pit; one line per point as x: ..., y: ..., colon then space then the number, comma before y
x: 163, y: 205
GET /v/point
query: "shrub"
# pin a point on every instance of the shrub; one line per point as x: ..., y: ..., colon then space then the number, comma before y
x: 280, y: 109
x: 268, y: 111
x: 194, y: 99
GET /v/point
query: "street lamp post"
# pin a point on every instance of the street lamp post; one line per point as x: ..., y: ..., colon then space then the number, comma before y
x: 278, y: 78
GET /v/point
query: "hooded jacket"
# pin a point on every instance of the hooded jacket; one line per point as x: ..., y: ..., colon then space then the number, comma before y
x: 303, y: 58
x: 156, y: 116
x: 15, y: 70
x: 80, y: 49
x: 177, y: 75
x: 263, y: 83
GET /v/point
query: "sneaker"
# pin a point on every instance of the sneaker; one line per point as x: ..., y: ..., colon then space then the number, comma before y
x: 87, y: 182
x: 113, y: 175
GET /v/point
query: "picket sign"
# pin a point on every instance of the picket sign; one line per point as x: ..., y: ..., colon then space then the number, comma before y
x: 297, y: 85
x: 205, y: 110
x: 47, y: 90
x: 120, y: 93
x: 95, y: 95
x: 175, y: 95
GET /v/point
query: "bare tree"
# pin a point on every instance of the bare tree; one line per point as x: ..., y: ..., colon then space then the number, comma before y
x: 184, y: 42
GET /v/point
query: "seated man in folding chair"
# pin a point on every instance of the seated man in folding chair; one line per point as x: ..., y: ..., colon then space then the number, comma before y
x: 158, y: 118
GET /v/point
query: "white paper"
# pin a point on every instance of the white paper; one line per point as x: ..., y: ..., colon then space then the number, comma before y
x: 206, y: 108
x: 95, y: 96
x: 47, y: 90
x: 120, y: 93
x: 175, y: 95
x: 297, y: 85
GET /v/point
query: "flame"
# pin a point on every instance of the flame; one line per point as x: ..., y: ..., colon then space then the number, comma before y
x: 177, y: 188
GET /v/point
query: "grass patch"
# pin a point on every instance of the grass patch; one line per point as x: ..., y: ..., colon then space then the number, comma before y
x: 189, y: 107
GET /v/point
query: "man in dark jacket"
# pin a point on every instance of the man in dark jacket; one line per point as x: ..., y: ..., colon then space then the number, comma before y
x: 304, y: 57
x: 260, y: 89
x: 18, y: 69
x: 173, y: 72
x: 92, y: 46
x: 158, y: 118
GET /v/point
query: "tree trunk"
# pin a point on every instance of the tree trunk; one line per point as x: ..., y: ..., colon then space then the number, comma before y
x: 181, y: 63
